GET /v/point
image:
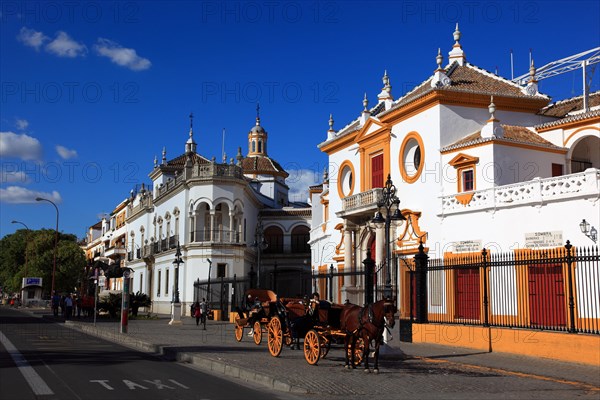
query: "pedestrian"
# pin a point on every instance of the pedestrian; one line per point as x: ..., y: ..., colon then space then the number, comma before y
x: 55, y: 303
x: 196, y: 312
x: 79, y: 304
x: 256, y: 313
x: 203, y: 312
x: 68, y: 306
x: 62, y: 306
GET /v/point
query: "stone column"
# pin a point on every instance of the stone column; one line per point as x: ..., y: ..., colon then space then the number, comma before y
x: 348, y: 246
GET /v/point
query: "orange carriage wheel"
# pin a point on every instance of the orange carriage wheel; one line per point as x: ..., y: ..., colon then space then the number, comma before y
x: 325, y: 346
x: 239, y: 329
x: 257, y: 333
x: 312, y: 347
x: 274, y: 337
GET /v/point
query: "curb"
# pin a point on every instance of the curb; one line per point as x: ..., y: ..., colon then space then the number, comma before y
x: 205, y: 364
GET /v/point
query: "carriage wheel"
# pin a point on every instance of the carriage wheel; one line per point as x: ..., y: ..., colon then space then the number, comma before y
x: 274, y: 337
x: 257, y: 333
x: 312, y: 347
x: 239, y: 329
x: 359, y: 351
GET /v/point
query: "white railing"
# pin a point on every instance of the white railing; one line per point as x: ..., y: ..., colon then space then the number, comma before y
x: 536, y: 191
x: 363, y: 199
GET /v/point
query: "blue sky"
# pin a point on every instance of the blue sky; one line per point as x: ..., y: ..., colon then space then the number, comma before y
x: 92, y: 91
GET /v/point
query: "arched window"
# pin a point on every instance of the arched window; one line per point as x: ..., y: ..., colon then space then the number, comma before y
x: 260, y: 146
x: 253, y: 146
x: 300, y: 238
x: 274, y: 236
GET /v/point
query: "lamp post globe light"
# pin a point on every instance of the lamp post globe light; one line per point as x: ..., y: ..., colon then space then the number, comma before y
x: 55, y: 241
x: 388, y: 203
x: 259, y: 244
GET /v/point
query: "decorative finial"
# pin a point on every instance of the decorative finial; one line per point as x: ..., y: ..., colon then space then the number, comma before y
x: 330, y: 122
x: 155, y: 161
x: 213, y: 159
x: 239, y: 157
x: 532, y: 70
x: 164, y: 155
x: 385, y: 79
x: 325, y: 174
x: 365, y: 102
x: 439, y: 58
x: 224, y: 158
x: 456, y: 34
x: 492, y: 108
x: 257, y: 114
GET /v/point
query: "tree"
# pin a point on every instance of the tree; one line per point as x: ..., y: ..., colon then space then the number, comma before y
x: 39, y: 247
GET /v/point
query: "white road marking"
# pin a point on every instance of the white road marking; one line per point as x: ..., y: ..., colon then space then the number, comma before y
x: 178, y: 384
x: 132, y: 385
x: 37, y: 384
x: 103, y: 383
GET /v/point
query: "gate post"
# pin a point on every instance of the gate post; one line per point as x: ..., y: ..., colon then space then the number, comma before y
x: 421, y: 260
x: 569, y: 246
x: 486, y: 321
x: 251, y: 276
x: 331, y: 283
x: 369, y: 264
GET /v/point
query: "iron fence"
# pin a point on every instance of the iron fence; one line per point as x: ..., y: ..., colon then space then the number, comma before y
x: 545, y: 289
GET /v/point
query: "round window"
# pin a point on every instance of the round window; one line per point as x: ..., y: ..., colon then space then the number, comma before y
x: 411, y: 157
x: 346, y: 180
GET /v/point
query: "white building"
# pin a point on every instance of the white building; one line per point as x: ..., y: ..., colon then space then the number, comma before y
x: 216, y: 212
x: 478, y: 161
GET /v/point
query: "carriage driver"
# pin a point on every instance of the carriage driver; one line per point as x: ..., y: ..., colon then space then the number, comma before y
x: 256, y: 313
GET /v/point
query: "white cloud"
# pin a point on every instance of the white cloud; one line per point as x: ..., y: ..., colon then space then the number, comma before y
x: 122, y: 56
x: 22, y: 124
x: 13, y: 177
x: 20, y: 195
x: 22, y: 146
x: 32, y: 38
x: 65, y: 153
x: 64, y: 46
x: 299, y: 181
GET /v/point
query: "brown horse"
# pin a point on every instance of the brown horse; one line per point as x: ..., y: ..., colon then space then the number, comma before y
x: 367, y: 323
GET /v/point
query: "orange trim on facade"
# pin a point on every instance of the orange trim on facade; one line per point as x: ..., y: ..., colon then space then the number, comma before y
x: 464, y: 198
x: 339, y: 144
x: 474, y: 100
x: 346, y: 163
x: 510, y: 144
x: 411, y: 135
x: 571, y: 124
x: 371, y: 149
x: 576, y: 132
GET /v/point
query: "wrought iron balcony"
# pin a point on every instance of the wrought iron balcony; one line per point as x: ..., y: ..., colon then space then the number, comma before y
x: 216, y: 236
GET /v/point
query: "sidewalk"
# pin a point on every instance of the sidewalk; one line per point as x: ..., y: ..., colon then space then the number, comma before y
x: 411, y: 369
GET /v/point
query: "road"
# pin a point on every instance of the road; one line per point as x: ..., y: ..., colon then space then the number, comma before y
x: 44, y: 360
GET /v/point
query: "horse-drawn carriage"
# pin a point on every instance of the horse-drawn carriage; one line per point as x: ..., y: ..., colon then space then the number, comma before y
x: 264, y: 307
x: 348, y: 326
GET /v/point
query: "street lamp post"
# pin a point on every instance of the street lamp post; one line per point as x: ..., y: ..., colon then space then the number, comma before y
x: 260, y: 244
x: 26, y: 239
x: 208, y: 296
x: 175, y: 304
x: 388, y: 202
x: 55, y: 241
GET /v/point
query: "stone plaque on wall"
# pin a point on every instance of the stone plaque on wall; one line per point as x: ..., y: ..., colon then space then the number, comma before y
x: 539, y: 240
x: 467, y: 246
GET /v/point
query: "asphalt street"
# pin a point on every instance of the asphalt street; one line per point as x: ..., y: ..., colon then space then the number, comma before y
x: 44, y: 360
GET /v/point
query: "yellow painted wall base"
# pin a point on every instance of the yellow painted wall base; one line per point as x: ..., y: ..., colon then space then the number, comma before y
x: 560, y: 346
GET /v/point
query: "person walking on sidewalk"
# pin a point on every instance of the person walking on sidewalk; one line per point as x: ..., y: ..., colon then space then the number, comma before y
x: 196, y: 312
x: 203, y: 312
x: 55, y: 303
